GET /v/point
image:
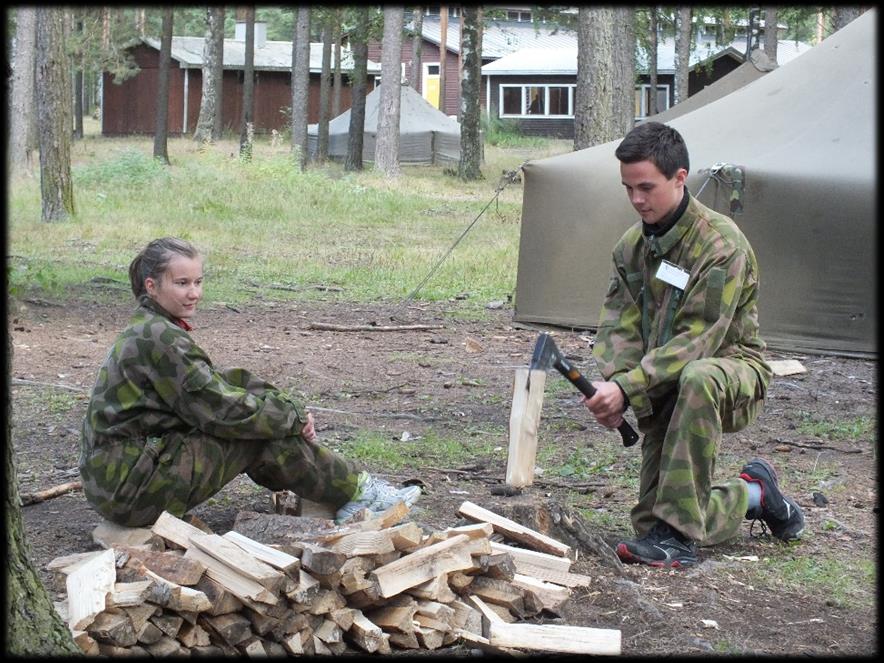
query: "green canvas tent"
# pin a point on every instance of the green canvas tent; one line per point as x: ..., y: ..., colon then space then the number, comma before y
x: 805, y: 136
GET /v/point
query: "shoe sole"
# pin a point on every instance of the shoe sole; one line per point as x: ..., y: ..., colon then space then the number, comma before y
x: 627, y: 557
x: 782, y: 536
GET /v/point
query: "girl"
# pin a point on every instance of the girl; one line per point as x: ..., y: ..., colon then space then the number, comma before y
x: 165, y: 429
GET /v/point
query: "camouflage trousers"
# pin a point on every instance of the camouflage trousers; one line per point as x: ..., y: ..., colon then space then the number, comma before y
x: 131, y: 482
x: 680, y: 447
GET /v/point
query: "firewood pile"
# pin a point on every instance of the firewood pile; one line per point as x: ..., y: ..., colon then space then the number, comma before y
x: 282, y: 585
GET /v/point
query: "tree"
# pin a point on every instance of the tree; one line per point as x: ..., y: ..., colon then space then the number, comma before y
x: 386, y: 156
x: 248, y: 85
x: 213, y: 72
x: 652, y: 59
x: 336, y: 88
x: 300, y: 85
x: 624, y: 71
x: 22, y: 140
x: 682, y: 53
x: 771, y: 35
x: 443, y: 53
x: 33, y: 627
x: 470, y: 90
x: 844, y: 15
x: 53, y: 84
x: 359, y: 49
x: 324, y: 89
x: 594, y: 92
x: 417, y: 41
x: 161, y: 135
x: 77, y: 58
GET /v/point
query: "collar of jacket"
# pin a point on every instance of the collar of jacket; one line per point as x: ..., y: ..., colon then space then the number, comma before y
x: 151, y: 304
x: 684, y: 216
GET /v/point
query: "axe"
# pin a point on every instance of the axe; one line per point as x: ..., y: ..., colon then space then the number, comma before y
x: 547, y: 355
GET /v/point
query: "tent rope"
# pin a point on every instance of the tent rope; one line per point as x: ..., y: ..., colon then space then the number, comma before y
x: 508, y: 177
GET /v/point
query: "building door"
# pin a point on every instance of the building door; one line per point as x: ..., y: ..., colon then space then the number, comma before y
x: 430, y: 83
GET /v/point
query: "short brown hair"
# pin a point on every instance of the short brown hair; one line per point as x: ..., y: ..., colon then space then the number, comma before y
x: 658, y: 143
x: 154, y: 259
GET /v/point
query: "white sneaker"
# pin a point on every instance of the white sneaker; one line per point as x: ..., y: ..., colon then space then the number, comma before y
x: 376, y: 495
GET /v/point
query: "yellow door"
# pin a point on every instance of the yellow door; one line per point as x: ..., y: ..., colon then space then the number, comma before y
x: 431, y: 84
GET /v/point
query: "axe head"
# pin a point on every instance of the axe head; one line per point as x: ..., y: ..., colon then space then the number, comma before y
x: 545, y: 352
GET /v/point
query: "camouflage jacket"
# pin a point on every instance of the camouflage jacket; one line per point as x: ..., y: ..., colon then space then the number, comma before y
x: 156, y: 380
x: 649, y: 329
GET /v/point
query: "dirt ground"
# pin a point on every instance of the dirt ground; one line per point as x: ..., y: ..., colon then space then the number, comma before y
x: 456, y: 382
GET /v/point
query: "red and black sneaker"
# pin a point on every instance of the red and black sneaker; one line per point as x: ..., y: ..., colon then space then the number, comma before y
x: 780, y: 513
x: 662, y: 547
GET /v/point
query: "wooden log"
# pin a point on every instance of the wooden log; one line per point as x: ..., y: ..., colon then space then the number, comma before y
x: 495, y: 565
x: 404, y: 640
x: 189, y: 600
x: 397, y: 619
x: 149, y: 633
x: 253, y: 648
x: 500, y: 592
x: 234, y: 628
x: 320, y: 560
x: 489, y: 615
x: 193, y: 635
x: 113, y: 629
x: 459, y: 581
x: 556, y: 638
x: 292, y: 644
x: 88, y: 584
x: 165, y: 647
x: 434, y: 589
x: 113, y: 651
x: 429, y: 638
x: 47, y: 494
x: 110, y: 535
x: 484, y: 644
x: 466, y: 617
x: 551, y: 596
x: 364, y: 543
x: 175, y: 530
x: 238, y: 585
x: 139, y: 615
x: 307, y: 587
x: 528, y: 386
x: 59, y: 567
x: 329, y: 632
x: 425, y: 564
x: 272, y: 529
x: 222, y: 601
x: 169, y: 565
x: 367, y: 635
x: 240, y: 561
x: 87, y: 644
x: 128, y: 594
x: 168, y: 623
x: 525, y: 559
x: 325, y: 601
x: 343, y: 617
x: 272, y: 556
x: 510, y: 528
x: 320, y: 648
x: 405, y: 536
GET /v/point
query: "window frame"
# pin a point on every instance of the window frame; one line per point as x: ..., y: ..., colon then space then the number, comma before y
x: 644, y: 88
x: 523, y: 114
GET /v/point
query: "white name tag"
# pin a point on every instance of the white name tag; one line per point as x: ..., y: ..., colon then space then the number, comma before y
x: 673, y: 275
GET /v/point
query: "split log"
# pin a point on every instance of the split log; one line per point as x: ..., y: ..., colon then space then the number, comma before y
x: 175, y: 530
x: 168, y: 565
x: 551, y: 596
x: 320, y: 560
x: 528, y: 386
x: 168, y: 623
x: 365, y: 633
x: 128, y: 594
x: 423, y: 565
x: 222, y: 601
x: 49, y: 493
x: 556, y: 638
x: 239, y: 560
x: 113, y: 629
x: 272, y: 556
x: 149, y: 633
x: 510, y: 528
x: 88, y: 584
x: 241, y: 587
x: 234, y: 628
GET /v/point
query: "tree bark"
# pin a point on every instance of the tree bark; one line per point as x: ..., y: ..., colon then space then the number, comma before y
x: 300, y: 85
x: 324, y: 90
x: 417, y: 42
x: 218, y: 74
x: 624, y: 71
x: 33, y: 627
x: 77, y: 58
x: 843, y: 16
x: 21, y: 143
x: 470, y: 89
x: 53, y: 84
x: 359, y: 49
x: 682, y: 53
x: 336, y: 86
x: 246, y: 128
x: 594, y: 93
x: 443, y: 53
x: 652, y: 60
x: 210, y: 102
x: 161, y: 135
x: 387, y: 146
x: 770, y: 32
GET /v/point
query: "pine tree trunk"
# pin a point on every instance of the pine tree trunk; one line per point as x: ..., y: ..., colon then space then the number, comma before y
x: 324, y: 91
x: 682, y: 53
x: 386, y: 158
x: 359, y: 48
x: 300, y: 85
x: 33, y: 627
x: 248, y: 87
x: 443, y: 53
x: 652, y: 60
x: 470, y: 89
x: 417, y: 41
x: 78, y: 81
x: 53, y: 84
x: 624, y: 70
x: 210, y: 101
x: 23, y: 92
x: 844, y: 15
x: 161, y: 135
x: 594, y: 94
x: 218, y: 75
x: 770, y: 32
x: 336, y: 87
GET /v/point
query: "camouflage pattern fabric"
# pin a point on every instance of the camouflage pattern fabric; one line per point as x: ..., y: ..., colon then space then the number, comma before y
x: 690, y: 363
x: 166, y: 430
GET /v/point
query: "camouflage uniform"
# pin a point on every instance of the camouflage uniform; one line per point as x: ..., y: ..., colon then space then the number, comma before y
x: 166, y: 430
x: 690, y: 364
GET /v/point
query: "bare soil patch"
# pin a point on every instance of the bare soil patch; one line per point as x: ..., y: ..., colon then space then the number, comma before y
x: 456, y: 384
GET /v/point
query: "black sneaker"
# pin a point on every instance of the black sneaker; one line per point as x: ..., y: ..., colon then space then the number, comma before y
x: 662, y: 547
x: 780, y: 513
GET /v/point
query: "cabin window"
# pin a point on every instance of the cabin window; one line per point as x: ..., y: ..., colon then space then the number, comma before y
x: 536, y: 101
x: 643, y: 99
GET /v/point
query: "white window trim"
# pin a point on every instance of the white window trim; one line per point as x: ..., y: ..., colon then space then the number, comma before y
x: 644, y: 106
x: 524, y: 114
